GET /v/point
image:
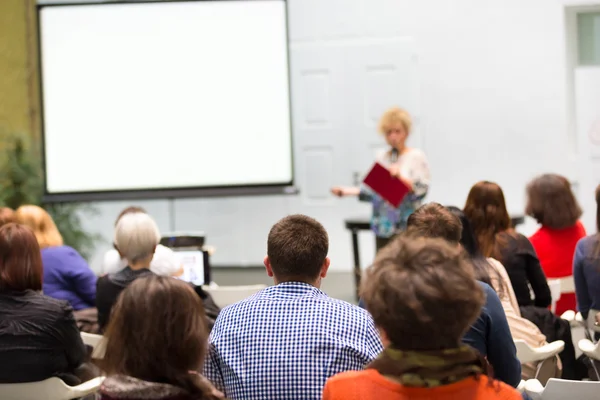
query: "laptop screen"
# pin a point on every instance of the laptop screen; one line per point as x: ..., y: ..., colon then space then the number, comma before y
x: 192, y: 262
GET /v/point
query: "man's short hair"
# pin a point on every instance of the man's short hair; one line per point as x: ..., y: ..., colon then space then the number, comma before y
x: 432, y: 220
x: 297, y: 247
x: 422, y: 293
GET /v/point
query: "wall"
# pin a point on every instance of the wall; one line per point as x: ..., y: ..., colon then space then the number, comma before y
x: 19, y: 107
x: 484, y: 78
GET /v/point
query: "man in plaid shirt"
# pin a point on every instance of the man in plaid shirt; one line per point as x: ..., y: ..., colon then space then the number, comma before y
x: 285, y: 341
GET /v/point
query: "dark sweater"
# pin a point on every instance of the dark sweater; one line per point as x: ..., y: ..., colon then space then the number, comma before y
x: 38, y: 339
x: 586, y: 272
x: 524, y: 269
x: 110, y: 286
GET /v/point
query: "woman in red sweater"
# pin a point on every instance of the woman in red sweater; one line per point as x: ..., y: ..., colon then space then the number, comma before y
x: 552, y: 203
x: 421, y: 323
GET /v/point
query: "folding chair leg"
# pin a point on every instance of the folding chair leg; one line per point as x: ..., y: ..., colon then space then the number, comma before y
x: 595, y: 369
x: 539, y: 368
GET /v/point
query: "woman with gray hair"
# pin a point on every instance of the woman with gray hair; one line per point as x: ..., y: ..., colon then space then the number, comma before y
x: 136, y: 238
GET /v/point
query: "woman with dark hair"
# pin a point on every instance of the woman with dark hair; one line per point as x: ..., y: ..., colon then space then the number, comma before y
x: 38, y: 335
x: 144, y: 362
x: 520, y: 328
x: 484, y: 271
x: 421, y: 324
x: 486, y: 210
x: 586, y: 271
x: 552, y: 203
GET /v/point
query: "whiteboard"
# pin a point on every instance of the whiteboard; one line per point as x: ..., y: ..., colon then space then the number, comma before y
x: 169, y: 95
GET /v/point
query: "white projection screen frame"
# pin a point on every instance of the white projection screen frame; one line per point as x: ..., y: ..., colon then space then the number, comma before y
x: 165, y: 99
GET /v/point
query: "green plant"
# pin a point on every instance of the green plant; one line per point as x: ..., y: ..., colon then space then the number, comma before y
x: 21, y: 182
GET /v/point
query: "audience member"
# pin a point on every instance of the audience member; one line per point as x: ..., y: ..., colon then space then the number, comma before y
x: 520, y: 328
x: 164, y: 261
x: 38, y: 335
x: 285, y: 341
x: 67, y: 276
x: 552, y: 203
x: 586, y: 271
x: 157, y: 338
x: 7, y: 215
x: 486, y: 209
x: 490, y: 333
x: 136, y: 237
x: 423, y: 297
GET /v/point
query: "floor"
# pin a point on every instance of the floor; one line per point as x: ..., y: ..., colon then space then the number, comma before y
x: 339, y: 285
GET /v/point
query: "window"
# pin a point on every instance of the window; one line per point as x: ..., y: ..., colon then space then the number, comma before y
x: 588, y: 38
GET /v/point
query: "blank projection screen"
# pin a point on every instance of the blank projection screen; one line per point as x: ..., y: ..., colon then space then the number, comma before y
x: 142, y: 97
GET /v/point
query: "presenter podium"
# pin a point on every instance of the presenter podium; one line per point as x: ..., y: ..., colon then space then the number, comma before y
x: 355, y: 225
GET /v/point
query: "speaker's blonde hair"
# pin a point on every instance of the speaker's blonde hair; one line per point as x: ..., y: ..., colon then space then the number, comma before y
x: 393, y: 118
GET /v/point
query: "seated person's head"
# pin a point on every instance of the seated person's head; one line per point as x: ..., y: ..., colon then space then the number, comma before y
x: 551, y: 202
x: 129, y: 210
x: 297, y: 249
x: 432, y: 220
x: 20, y: 259
x: 136, y: 238
x: 157, y: 332
x: 41, y: 223
x: 422, y: 294
x: 7, y: 215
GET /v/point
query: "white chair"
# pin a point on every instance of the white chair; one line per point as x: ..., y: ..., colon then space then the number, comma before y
x: 528, y: 354
x: 578, y: 329
x: 558, y: 287
x: 91, y: 339
x: 226, y: 295
x: 592, y: 351
x: 561, y: 389
x: 49, y: 389
x: 96, y: 342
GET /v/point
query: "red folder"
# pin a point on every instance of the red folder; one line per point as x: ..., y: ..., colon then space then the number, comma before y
x: 390, y: 188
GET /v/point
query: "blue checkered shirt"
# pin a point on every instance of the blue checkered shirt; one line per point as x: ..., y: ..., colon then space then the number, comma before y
x: 285, y: 341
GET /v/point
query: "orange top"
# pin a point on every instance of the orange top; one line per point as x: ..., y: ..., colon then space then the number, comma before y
x: 370, y: 384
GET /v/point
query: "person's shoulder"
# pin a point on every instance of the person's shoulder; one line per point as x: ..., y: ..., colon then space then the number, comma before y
x: 587, y: 245
x: 53, y: 308
x: 415, y: 152
x: 488, y: 388
x: 485, y: 287
x: 347, y: 309
x: 346, y: 377
x: 537, y: 235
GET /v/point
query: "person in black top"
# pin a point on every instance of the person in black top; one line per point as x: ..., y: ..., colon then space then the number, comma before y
x: 486, y: 209
x: 38, y: 335
x: 136, y: 238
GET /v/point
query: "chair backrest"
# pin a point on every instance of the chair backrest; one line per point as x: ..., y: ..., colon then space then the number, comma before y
x: 567, y: 284
x: 561, y: 389
x: 96, y: 342
x: 226, y: 295
x: 91, y: 339
x: 589, y: 349
x: 49, y: 389
x: 527, y: 354
x: 555, y: 291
